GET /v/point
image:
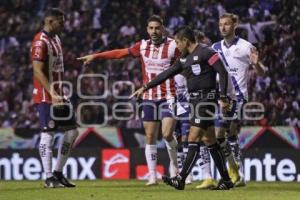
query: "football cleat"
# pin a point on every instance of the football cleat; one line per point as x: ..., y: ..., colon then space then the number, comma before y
x: 223, y: 185
x: 177, y: 182
x: 52, y: 182
x: 207, y: 184
x: 62, y: 179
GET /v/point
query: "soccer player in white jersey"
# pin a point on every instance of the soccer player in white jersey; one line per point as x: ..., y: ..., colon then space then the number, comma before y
x: 237, y: 55
x: 156, y: 55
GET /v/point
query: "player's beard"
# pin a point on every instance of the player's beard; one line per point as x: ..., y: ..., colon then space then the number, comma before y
x: 157, y: 39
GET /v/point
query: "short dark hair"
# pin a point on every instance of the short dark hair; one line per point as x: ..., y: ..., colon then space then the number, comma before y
x: 54, y: 12
x: 199, y: 35
x: 233, y: 17
x: 155, y: 18
x: 185, y: 32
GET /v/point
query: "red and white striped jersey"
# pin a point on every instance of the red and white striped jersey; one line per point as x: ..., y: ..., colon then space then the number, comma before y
x: 47, y: 49
x: 156, y: 59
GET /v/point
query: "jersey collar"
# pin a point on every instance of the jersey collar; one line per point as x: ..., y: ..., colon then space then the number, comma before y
x: 234, y: 42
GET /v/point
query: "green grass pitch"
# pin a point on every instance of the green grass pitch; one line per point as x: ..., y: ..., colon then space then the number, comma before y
x: 136, y: 190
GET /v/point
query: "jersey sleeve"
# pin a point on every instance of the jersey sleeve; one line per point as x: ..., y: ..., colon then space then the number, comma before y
x: 135, y: 49
x: 39, y: 51
x: 211, y: 56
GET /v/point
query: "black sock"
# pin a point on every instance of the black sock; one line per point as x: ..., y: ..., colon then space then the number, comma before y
x: 190, y: 160
x: 219, y: 159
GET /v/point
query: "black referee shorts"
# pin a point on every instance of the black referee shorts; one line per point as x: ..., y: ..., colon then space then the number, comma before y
x: 204, y: 106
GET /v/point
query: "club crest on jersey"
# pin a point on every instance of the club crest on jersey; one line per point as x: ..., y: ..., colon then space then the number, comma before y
x: 196, y: 69
x: 195, y: 58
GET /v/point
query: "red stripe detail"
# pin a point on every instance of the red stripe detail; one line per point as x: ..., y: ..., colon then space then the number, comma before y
x: 213, y: 59
x: 147, y: 52
x: 165, y: 50
x: 154, y: 89
x: 163, y: 88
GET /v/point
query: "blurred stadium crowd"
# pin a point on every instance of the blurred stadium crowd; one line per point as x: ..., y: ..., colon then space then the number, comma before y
x: 98, y: 25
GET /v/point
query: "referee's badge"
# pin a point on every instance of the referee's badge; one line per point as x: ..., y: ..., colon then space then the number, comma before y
x: 197, y: 121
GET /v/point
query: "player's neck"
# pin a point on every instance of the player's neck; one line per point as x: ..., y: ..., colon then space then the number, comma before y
x: 192, y: 47
x: 158, y: 42
x: 229, y: 39
x: 48, y: 31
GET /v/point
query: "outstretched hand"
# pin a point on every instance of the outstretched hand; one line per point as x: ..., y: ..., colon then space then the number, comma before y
x: 86, y: 59
x: 138, y: 94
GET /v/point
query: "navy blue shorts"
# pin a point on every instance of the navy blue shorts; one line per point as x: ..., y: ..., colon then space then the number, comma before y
x: 61, y: 119
x: 157, y: 110
x: 182, y: 124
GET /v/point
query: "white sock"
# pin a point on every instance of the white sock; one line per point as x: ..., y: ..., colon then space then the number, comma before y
x: 45, y: 150
x: 205, y: 162
x: 151, y: 158
x: 172, y: 151
x: 65, y: 149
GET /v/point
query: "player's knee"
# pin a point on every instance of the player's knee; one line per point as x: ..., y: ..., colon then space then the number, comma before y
x: 150, y: 139
x: 208, y: 139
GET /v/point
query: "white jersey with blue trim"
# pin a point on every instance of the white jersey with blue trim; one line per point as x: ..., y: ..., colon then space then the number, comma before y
x: 181, y: 94
x: 236, y: 59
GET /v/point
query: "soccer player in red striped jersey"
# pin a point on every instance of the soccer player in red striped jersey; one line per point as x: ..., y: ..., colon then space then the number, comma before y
x: 48, y: 71
x: 156, y: 55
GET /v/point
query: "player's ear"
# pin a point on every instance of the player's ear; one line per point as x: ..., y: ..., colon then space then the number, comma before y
x: 235, y: 25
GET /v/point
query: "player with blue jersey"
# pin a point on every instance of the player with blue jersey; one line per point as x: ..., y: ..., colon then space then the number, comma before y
x: 237, y: 55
